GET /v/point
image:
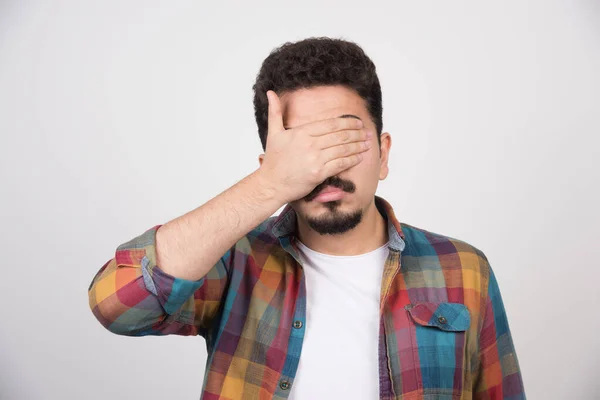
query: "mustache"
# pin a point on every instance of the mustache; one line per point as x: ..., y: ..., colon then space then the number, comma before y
x: 334, y: 181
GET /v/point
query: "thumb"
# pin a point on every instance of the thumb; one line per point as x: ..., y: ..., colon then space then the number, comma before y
x: 275, y: 117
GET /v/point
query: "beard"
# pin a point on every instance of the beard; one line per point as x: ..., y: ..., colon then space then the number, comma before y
x: 334, y: 221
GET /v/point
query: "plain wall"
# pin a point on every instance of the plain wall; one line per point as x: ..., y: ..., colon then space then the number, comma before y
x: 116, y: 116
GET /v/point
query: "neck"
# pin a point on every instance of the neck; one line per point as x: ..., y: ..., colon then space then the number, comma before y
x: 369, y: 234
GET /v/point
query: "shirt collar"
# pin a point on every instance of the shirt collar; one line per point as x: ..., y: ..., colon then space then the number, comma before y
x: 285, y: 224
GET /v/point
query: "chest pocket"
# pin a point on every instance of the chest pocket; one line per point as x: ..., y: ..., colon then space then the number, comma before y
x: 439, y: 343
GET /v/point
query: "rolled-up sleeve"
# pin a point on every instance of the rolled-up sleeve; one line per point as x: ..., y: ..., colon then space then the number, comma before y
x: 130, y: 295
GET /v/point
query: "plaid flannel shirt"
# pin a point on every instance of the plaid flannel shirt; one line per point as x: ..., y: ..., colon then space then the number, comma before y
x: 444, y: 333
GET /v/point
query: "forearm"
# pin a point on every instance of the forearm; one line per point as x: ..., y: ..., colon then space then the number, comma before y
x: 189, y: 245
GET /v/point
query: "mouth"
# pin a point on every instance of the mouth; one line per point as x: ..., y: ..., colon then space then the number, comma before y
x: 330, y: 193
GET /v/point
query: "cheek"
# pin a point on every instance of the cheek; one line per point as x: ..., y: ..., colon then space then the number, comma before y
x: 365, y: 172
x: 370, y: 161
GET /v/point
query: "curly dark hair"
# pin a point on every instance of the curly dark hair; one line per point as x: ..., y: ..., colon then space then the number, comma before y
x: 316, y: 61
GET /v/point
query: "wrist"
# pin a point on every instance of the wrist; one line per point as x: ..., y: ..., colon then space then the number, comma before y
x: 267, y: 188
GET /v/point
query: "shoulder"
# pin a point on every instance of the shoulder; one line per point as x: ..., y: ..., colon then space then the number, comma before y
x: 446, y: 253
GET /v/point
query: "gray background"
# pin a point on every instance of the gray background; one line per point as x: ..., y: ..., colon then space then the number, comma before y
x: 119, y: 115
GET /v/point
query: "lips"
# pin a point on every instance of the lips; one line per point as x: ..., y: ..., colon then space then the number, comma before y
x: 330, y: 189
x: 330, y: 193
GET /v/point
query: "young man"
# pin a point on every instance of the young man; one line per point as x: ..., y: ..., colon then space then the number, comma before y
x: 334, y: 298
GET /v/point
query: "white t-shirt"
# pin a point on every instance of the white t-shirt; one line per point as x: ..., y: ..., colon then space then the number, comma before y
x: 339, y: 358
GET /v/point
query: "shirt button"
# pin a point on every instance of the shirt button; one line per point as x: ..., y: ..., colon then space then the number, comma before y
x: 442, y: 320
x: 298, y: 324
x: 284, y: 385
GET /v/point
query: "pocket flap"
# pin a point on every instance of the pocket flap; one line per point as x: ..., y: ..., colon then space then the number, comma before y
x: 445, y: 316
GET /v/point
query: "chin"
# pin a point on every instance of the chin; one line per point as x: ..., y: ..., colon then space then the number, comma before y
x: 334, y: 218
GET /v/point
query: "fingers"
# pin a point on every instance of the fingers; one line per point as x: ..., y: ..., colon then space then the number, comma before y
x: 275, y: 119
x: 344, y: 150
x: 323, y: 127
x: 342, y: 137
x: 343, y: 147
x: 338, y: 165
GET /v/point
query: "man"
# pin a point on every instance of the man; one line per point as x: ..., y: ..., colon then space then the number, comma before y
x: 334, y: 298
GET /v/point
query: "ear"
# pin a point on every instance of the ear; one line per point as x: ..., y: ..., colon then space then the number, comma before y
x: 260, y: 159
x: 384, y: 148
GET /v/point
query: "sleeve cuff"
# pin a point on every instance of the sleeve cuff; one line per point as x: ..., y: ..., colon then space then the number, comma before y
x: 172, y: 292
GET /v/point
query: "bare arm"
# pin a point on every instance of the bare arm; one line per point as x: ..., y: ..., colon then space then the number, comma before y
x: 190, y: 245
